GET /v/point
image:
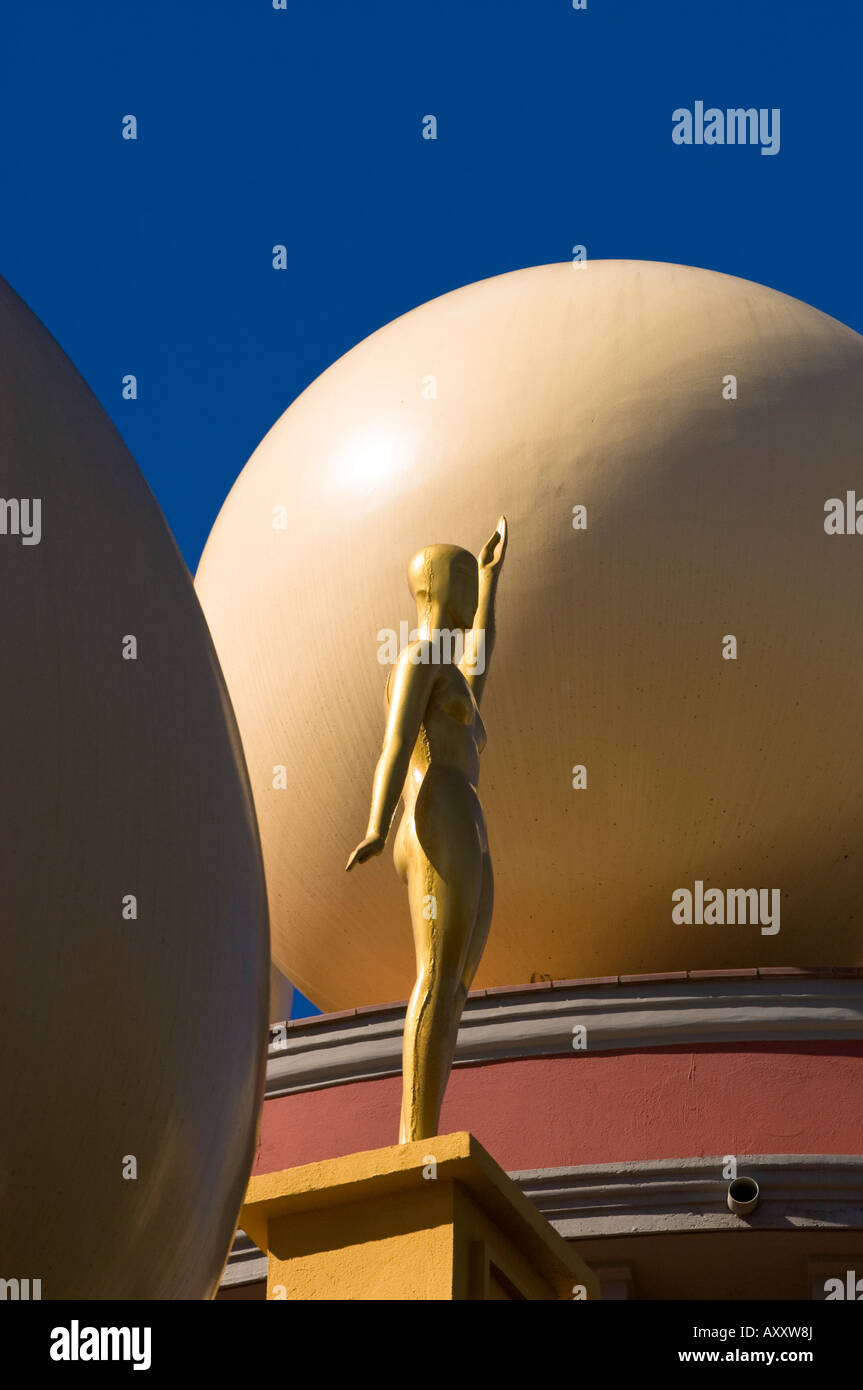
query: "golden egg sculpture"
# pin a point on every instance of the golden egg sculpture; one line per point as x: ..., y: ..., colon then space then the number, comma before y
x: 676, y: 686
x: 135, y: 951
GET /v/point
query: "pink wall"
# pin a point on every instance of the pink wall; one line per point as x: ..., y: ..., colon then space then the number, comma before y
x: 608, y: 1107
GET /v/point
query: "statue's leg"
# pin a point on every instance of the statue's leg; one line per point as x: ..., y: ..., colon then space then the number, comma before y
x: 445, y: 879
x: 479, y: 935
x: 476, y: 946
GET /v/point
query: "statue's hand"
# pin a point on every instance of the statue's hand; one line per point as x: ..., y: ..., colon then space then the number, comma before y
x: 492, y: 553
x: 366, y: 849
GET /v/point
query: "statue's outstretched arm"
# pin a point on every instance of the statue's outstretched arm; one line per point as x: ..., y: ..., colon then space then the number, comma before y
x: 480, y: 640
x: 414, y: 677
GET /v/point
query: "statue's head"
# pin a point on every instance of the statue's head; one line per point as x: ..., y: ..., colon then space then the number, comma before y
x: 449, y: 576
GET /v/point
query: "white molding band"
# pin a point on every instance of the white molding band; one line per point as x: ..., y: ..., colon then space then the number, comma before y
x: 668, y: 1196
x: 797, y: 1192
x: 501, y: 1026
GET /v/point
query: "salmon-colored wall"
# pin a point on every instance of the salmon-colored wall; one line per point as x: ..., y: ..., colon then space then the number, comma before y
x: 549, y: 1112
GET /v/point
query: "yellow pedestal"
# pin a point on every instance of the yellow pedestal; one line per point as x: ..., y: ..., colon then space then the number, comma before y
x: 437, y: 1219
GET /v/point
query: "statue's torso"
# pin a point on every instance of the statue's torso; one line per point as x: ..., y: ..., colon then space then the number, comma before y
x: 452, y: 733
x: 445, y: 759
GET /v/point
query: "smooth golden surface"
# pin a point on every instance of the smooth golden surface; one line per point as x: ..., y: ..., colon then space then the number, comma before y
x: 556, y: 387
x: 430, y: 761
x: 438, y: 1219
x: 121, y: 1038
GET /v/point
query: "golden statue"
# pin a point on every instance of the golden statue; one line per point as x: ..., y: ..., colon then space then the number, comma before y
x: 430, y: 759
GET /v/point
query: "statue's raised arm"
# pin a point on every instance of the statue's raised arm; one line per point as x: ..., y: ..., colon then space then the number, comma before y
x: 480, y: 639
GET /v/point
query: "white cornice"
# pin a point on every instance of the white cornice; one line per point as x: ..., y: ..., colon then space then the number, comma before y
x: 501, y: 1026
x: 821, y: 1192
x: 798, y: 1191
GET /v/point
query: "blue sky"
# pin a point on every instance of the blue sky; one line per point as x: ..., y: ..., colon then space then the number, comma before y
x: 302, y: 126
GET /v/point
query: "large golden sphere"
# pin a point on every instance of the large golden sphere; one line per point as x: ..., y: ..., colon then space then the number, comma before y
x: 609, y: 387
x: 134, y: 946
